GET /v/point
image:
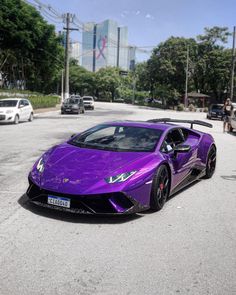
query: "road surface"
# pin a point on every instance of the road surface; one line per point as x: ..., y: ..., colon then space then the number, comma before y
x: 187, y: 248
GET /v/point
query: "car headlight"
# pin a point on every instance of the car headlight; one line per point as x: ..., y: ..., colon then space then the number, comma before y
x: 9, y: 111
x: 40, y: 165
x: 120, y: 177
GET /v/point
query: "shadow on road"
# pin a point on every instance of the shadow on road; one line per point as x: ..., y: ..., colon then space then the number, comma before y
x: 174, y: 195
x: 74, y: 218
x: 100, y: 113
x: 232, y: 133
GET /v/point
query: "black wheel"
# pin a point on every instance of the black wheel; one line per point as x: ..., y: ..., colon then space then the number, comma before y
x: 231, y: 128
x: 31, y: 117
x: 62, y: 113
x: 83, y: 111
x: 211, y: 163
x: 160, y: 188
x: 16, y: 120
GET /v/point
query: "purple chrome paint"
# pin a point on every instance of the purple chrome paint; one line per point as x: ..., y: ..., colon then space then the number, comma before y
x: 82, y: 171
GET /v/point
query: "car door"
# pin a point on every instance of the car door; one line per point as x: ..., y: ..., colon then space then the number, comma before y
x: 27, y: 109
x: 22, y: 110
x: 233, y: 120
x: 181, y: 163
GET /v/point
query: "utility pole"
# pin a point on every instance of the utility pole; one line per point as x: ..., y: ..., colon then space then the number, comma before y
x: 69, y: 17
x: 186, y: 81
x: 233, y: 66
x: 67, y: 58
x: 94, y: 46
x: 118, y: 49
x: 62, y: 86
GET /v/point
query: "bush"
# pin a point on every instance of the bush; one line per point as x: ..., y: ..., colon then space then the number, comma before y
x: 192, y: 108
x: 42, y: 101
x: 180, y: 107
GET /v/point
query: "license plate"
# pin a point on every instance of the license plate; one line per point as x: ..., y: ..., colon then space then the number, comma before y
x: 59, y: 201
x: 67, y: 110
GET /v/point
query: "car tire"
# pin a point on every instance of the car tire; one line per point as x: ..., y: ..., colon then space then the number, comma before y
x: 62, y: 113
x: 31, y: 117
x: 210, y: 163
x: 160, y: 188
x: 16, y: 119
x: 231, y: 129
x: 83, y: 111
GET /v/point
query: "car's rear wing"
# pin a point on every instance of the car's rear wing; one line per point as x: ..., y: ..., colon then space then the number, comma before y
x: 191, y: 122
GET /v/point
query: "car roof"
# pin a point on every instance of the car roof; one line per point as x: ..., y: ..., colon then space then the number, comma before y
x: 144, y: 124
x: 13, y: 98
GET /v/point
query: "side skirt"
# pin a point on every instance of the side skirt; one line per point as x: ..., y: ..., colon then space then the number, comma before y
x: 192, y: 177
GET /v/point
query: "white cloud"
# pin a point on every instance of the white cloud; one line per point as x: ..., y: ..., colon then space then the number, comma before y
x: 149, y: 16
x: 137, y: 12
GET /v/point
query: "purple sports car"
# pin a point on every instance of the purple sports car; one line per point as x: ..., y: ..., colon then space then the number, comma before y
x: 122, y: 167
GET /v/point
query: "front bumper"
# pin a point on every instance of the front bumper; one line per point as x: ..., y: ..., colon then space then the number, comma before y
x: 216, y: 115
x: 118, y: 203
x: 5, y: 118
x: 70, y: 111
x: 89, y: 106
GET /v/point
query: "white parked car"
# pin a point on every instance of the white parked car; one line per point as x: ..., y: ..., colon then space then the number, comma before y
x: 15, y: 110
x: 88, y: 102
x: 233, y: 121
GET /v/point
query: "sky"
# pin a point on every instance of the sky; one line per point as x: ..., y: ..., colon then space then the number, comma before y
x: 150, y: 22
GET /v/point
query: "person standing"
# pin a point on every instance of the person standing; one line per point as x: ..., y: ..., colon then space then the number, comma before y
x: 228, y: 109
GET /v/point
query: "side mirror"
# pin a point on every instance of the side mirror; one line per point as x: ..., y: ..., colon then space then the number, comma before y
x: 182, y: 148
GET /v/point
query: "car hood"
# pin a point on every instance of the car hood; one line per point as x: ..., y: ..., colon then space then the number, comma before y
x: 75, y: 170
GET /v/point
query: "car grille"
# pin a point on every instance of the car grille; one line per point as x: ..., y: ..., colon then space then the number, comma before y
x: 111, y: 203
x: 2, y: 117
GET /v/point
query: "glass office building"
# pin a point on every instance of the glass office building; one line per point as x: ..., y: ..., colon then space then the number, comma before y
x: 105, y: 44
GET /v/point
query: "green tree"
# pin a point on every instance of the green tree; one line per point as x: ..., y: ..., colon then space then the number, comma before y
x: 30, y: 50
x: 82, y: 81
x: 108, y: 81
x: 212, y: 68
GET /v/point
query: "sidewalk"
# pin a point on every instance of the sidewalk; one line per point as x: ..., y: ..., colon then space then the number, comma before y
x: 45, y: 110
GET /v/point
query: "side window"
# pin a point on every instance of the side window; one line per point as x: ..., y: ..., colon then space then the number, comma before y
x: 26, y: 103
x: 172, y: 139
x: 21, y: 103
x: 184, y: 133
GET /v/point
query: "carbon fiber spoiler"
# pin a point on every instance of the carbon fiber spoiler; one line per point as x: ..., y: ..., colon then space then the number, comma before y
x: 191, y: 122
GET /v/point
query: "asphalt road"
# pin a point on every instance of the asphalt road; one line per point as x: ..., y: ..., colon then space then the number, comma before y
x: 187, y: 248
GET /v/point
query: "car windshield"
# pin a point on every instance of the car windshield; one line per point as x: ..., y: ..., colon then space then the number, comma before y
x: 73, y: 101
x: 88, y: 98
x: 8, y: 103
x: 118, y: 138
x: 216, y: 107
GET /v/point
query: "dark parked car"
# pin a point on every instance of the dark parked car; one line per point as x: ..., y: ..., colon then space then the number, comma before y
x: 215, y: 111
x: 73, y: 105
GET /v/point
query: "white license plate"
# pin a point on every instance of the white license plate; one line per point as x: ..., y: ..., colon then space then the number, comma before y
x: 67, y: 110
x: 59, y: 201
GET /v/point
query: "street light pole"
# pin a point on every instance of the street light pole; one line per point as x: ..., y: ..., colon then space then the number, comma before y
x: 62, y: 86
x: 233, y: 66
x: 67, y: 58
x: 186, y: 81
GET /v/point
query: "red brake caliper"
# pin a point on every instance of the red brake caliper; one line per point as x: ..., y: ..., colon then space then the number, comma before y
x: 161, y: 186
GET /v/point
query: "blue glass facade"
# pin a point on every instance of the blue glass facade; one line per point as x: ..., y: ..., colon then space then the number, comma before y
x: 104, y: 45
